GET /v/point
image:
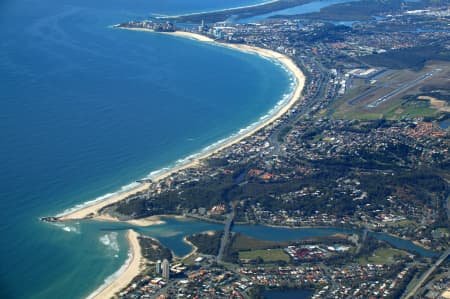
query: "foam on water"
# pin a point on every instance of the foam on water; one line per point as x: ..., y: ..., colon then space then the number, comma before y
x: 110, y: 241
x: 180, y: 162
x: 286, y: 97
x: 77, y: 207
x: 113, y: 276
x: 73, y: 228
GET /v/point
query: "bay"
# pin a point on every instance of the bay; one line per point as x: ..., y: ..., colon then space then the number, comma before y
x: 86, y: 109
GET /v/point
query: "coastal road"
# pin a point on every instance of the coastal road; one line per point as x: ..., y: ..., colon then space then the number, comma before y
x: 226, y: 235
x: 427, y: 274
x: 313, y: 100
x: 363, y: 240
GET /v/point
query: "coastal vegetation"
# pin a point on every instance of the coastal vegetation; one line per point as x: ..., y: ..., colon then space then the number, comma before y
x: 236, y: 13
x: 153, y: 250
x: 206, y: 242
x: 420, y: 185
x: 356, y: 10
x: 243, y: 242
x: 383, y: 256
x: 366, y: 9
x: 264, y: 255
x: 411, y: 58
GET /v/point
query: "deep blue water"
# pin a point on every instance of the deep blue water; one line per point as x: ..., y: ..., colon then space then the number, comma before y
x: 86, y: 109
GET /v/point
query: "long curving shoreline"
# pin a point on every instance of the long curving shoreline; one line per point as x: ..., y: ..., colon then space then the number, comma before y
x: 162, y: 17
x: 132, y: 269
x: 91, y: 211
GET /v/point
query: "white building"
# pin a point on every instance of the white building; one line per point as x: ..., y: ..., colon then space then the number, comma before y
x: 165, y: 269
x: 158, y: 268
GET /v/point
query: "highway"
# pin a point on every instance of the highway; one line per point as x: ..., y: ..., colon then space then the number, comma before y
x: 427, y: 274
x: 226, y: 235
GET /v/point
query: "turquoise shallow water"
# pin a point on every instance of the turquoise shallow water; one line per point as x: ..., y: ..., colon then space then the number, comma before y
x: 86, y: 109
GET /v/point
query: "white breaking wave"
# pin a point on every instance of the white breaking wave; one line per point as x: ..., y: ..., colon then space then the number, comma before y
x: 68, y: 228
x: 113, y: 276
x: 180, y: 162
x: 110, y: 241
x: 286, y: 97
x: 99, y: 199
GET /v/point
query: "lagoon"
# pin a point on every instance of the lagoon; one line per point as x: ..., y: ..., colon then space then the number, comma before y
x: 171, y: 234
x: 313, y: 6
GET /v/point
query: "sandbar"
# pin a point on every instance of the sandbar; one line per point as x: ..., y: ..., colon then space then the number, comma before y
x: 219, y: 10
x: 147, y: 221
x: 91, y: 211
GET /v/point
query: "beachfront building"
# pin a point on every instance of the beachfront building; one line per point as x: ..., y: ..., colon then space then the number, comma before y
x: 158, y: 268
x: 165, y: 269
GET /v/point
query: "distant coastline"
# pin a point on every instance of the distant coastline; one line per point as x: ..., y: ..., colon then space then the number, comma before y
x: 162, y: 17
x: 91, y: 211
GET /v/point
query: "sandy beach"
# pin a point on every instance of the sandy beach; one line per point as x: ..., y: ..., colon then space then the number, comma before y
x: 163, y: 17
x: 92, y: 210
x: 148, y: 221
x: 132, y: 270
x: 193, y: 251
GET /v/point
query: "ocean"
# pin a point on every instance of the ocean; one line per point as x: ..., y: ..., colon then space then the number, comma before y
x: 86, y: 110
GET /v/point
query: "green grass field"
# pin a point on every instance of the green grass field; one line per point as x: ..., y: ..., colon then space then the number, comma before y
x: 268, y: 255
x: 382, y: 256
x: 409, y: 109
x: 402, y: 223
x: 443, y: 230
x: 355, y: 104
x: 394, y: 109
x: 243, y: 242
